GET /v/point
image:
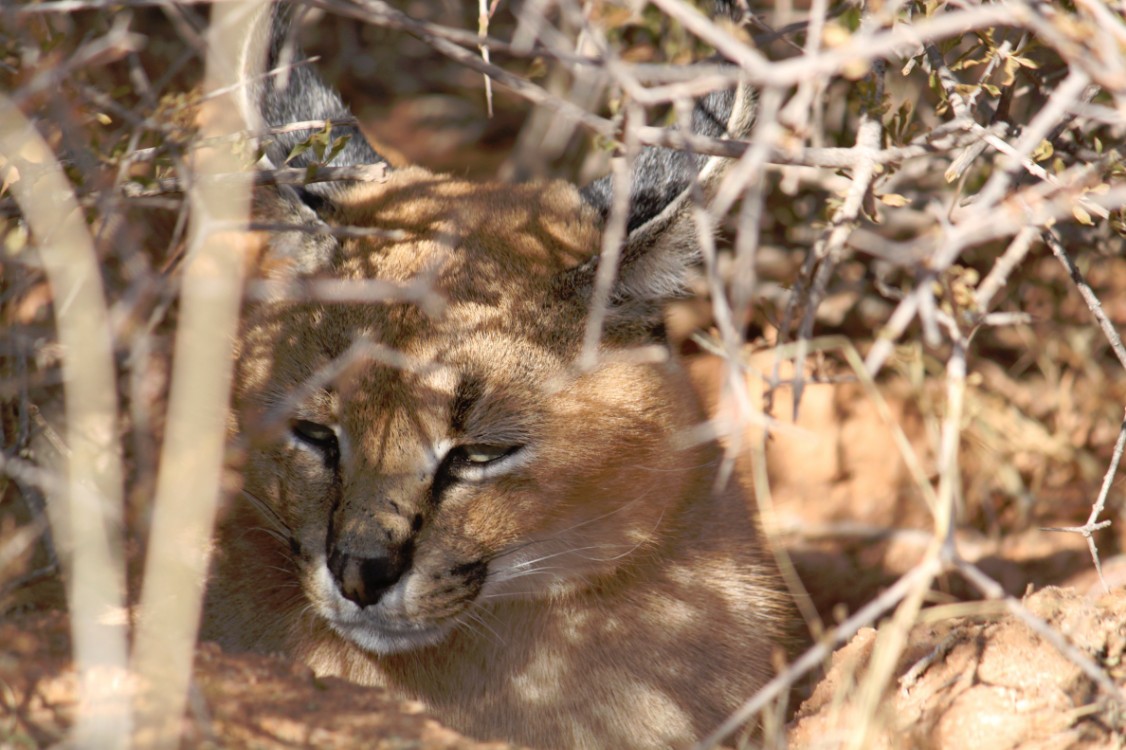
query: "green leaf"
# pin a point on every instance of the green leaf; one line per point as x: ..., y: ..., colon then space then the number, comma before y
x: 337, y: 146
x: 297, y: 150
x: 318, y: 143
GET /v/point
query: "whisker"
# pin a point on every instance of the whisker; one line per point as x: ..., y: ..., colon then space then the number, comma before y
x: 606, y: 515
x: 269, y: 515
x: 275, y: 534
x: 640, y: 542
x: 467, y: 625
x: 531, y: 594
x: 486, y: 612
x: 514, y: 570
x: 474, y: 617
x: 514, y: 595
x: 512, y: 575
x: 561, y: 532
x: 552, y: 555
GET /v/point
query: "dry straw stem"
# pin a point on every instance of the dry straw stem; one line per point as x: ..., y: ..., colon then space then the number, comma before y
x: 906, y: 593
x: 917, y: 578
x: 188, y: 486
x: 484, y: 14
x: 892, y: 638
x: 86, y: 510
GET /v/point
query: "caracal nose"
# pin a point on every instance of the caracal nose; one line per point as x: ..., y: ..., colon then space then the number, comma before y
x: 364, y: 580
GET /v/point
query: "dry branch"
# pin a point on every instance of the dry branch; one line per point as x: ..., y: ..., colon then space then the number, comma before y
x: 188, y: 488
x: 366, y: 173
x: 87, y: 510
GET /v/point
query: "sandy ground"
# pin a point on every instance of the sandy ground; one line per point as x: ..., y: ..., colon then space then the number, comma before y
x: 977, y: 681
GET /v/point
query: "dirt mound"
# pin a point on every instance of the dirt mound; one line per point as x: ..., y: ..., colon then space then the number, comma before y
x: 980, y: 681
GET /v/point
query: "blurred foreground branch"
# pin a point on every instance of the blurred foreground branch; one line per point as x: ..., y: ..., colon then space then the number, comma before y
x: 86, y: 511
x: 189, y: 481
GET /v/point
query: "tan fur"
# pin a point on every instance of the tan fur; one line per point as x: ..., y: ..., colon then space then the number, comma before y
x: 625, y: 605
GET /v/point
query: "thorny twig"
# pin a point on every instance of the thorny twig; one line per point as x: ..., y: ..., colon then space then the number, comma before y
x: 921, y: 575
x: 610, y: 256
x: 992, y: 590
x: 1088, y: 529
x: 911, y: 676
x: 828, y: 251
x: 1051, y: 238
x: 286, y: 176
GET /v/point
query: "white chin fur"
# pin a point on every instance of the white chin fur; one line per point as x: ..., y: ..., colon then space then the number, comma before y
x: 381, y: 641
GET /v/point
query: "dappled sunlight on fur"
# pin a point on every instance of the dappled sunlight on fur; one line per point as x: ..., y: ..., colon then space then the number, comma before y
x: 474, y: 519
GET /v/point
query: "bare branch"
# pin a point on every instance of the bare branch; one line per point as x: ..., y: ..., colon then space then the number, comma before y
x: 1052, y: 239
x: 87, y: 511
x: 285, y: 176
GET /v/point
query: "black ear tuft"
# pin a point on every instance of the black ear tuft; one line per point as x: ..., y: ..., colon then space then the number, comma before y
x: 662, y: 239
x: 287, y: 90
x: 660, y: 175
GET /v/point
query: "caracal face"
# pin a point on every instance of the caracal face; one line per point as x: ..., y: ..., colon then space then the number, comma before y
x: 438, y: 453
x: 450, y: 487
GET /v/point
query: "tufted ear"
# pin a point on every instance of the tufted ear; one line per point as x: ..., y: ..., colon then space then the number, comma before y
x: 661, y: 241
x: 282, y: 89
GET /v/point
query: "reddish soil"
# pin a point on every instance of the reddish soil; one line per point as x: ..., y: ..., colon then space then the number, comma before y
x: 238, y: 700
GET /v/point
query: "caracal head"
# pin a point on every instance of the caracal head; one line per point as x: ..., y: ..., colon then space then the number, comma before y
x: 433, y: 452
x: 426, y: 429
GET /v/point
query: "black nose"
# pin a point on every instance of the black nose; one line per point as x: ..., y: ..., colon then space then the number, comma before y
x: 365, y: 579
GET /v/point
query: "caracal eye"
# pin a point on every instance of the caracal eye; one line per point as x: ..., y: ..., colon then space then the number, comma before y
x: 319, y: 436
x: 485, y: 454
